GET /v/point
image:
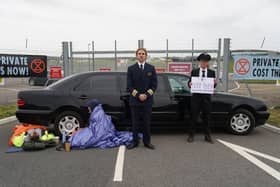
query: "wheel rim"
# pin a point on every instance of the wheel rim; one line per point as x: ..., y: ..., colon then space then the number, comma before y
x: 68, y: 124
x: 240, y: 122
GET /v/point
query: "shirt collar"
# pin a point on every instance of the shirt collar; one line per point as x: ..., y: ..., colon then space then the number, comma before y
x: 141, y: 63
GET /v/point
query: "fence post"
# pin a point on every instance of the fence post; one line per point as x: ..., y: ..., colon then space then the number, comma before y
x: 65, y: 57
x: 116, y: 59
x: 226, y: 59
x: 167, y: 48
x: 140, y: 43
x: 71, y: 59
x: 93, y: 60
x: 219, y: 59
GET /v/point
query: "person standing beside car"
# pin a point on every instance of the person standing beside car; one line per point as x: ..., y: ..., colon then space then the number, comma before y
x: 141, y: 84
x: 201, y: 102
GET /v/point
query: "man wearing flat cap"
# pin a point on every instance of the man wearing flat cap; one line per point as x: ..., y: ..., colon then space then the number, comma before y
x: 201, y: 102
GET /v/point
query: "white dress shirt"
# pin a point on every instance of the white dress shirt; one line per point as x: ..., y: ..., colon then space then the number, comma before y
x: 139, y: 64
x: 200, y: 72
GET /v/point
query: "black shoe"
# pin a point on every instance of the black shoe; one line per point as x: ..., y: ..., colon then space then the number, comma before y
x: 190, y: 138
x: 150, y: 146
x: 132, y: 146
x: 208, y: 139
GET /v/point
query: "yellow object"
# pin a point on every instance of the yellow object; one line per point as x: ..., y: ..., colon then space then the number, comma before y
x: 47, y: 136
x: 2, y: 82
x: 134, y: 93
x: 150, y: 91
x: 18, y: 140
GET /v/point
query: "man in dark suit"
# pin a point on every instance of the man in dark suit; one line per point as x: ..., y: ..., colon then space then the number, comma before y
x: 201, y: 102
x: 141, y: 83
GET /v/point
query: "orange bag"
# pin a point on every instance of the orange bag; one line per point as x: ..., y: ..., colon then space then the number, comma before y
x: 24, y: 128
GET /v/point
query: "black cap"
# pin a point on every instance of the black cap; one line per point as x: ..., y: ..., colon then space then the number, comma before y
x: 204, y: 57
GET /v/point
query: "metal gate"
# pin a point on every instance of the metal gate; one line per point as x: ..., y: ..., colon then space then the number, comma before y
x: 121, y: 59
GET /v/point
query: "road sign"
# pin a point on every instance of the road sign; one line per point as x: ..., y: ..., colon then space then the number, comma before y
x: 160, y: 70
x: 105, y: 69
x: 56, y: 72
x: 256, y: 67
x: 23, y: 65
x: 180, y: 67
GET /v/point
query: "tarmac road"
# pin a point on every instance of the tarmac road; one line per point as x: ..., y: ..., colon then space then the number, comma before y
x: 174, y: 163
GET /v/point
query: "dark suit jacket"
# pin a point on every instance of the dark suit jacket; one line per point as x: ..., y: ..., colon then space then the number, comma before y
x: 141, y: 82
x: 210, y: 74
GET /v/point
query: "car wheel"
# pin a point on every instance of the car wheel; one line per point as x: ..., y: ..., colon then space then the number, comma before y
x: 31, y: 82
x: 68, y: 122
x: 241, y: 122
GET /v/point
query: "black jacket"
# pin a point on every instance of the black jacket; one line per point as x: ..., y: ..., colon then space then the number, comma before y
x: 210, y: 74
x: 141, y: 81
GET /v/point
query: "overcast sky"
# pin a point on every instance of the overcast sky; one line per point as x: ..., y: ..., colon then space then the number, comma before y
x: 46, y: 23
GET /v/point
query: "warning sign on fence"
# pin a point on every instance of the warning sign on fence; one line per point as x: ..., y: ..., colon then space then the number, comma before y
x: 180, y: 67
x: 23, y: 65
x: 256, y: 67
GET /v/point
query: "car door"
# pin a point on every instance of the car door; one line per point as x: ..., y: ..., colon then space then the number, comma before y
x: 180, y: 95
x: 161, y: 112
x: 103, y: 87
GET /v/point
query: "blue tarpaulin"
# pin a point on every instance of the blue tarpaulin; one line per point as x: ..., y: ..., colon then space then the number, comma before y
x: 101, y: 132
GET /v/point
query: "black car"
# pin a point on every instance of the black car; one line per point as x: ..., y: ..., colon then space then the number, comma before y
x: 64, y: 103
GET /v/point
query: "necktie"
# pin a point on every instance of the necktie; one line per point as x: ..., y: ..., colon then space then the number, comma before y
x: 203, y: 73
x: 141, y: 66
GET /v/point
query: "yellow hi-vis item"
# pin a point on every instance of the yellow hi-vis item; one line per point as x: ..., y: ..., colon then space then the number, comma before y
x: 18, y: 140
x: 47, y: 136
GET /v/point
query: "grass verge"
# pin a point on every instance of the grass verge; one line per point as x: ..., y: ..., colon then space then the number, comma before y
x: 7, y: 111
x: 274, y: 118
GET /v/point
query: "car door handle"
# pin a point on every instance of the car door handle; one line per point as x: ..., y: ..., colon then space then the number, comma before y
x: 83, y: 97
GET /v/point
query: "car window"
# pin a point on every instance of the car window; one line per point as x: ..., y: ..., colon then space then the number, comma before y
x: 99, y: 83
x: 178, y: 83
x: 106, y: 83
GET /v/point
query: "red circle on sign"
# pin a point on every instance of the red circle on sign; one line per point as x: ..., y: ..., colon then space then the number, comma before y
x: 38, y: 66
x: 242, y: 66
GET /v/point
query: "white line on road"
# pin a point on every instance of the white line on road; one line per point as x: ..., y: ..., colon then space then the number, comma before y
x: 118, y: 176
x: 243, y: 151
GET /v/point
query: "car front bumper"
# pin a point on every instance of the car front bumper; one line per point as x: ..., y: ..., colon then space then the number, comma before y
x: 261, y: 117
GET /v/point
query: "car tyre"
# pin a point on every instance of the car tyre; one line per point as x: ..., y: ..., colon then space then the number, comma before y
x: 68, y: 121
x: 241, y: 122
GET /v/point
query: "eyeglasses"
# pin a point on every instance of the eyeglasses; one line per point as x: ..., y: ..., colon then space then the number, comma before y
x: 141, y: 53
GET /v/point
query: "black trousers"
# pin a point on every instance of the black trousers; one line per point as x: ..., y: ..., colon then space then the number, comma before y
x: 200, y: 103
x: 141, y: 115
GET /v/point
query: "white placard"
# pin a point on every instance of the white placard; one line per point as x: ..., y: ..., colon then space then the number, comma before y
x: 202, y: 85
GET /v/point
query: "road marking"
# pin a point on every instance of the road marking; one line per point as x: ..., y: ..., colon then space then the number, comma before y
x: 118, y: 176
x: 243, y: 151
x: 237, y: 84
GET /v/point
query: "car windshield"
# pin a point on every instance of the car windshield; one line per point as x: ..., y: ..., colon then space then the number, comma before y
x: 178, y: 83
